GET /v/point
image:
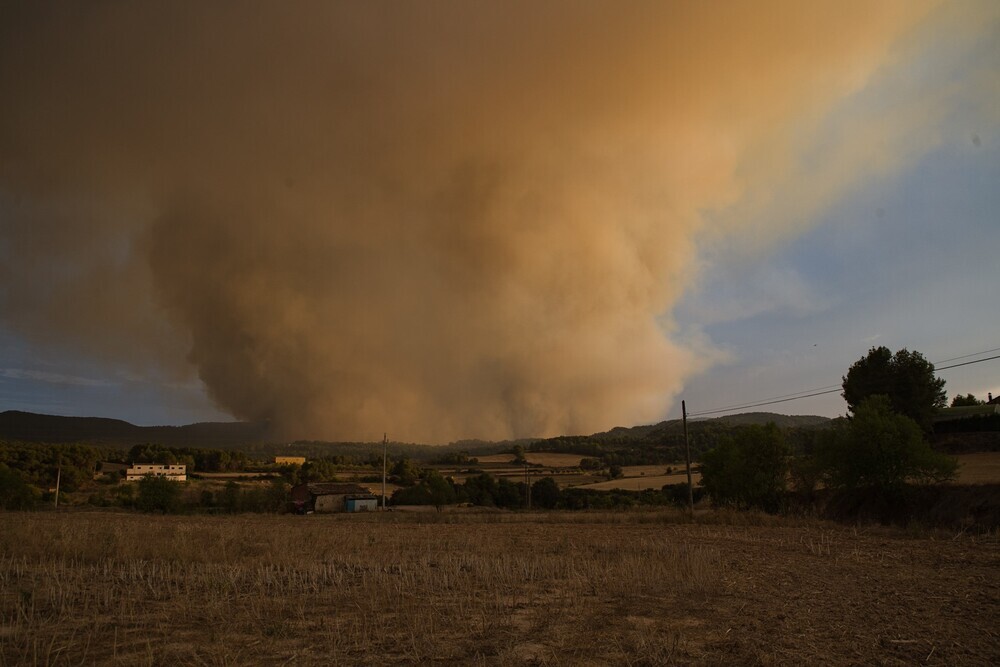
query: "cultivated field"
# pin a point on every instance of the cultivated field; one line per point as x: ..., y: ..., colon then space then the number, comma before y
x: 496, y: 588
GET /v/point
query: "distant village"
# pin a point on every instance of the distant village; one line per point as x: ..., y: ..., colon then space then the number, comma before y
x: 305, y: 498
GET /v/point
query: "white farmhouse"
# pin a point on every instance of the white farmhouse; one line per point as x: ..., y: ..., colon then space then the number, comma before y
x: 137, y: 471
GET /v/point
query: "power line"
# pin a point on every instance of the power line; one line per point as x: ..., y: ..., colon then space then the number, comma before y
x: 757, y: 405
x: 791, y: 396
x: 966, y: 356
x: 830, y: 389
x: 966, y: 363
x: 776, y: 399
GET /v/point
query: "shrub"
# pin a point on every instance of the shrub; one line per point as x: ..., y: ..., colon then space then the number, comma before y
x: 545, y: 493
x: 15, y: 493
x: 748, y: 468
x: 158, y: 494
x: 433, y: 489
x: 880, y: 449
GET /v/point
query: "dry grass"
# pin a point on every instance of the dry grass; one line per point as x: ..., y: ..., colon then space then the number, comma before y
x: 499, y: 588
x: 979, y: 468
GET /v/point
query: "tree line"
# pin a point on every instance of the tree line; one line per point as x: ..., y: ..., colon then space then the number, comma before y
x: 881, y: 447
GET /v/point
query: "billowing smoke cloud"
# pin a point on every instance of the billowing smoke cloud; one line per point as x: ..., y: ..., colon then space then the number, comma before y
x: 440, y: 219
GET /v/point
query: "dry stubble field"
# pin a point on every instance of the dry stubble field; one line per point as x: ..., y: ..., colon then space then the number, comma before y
x: 501, y: 588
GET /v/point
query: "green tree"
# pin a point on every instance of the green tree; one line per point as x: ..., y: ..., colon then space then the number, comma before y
x: 509, y: 494
x: 15, y: 493
x: 966, y: 401
x: 881, y: 449
x: 440, y: 492
x: 405, y: 472
x: 518, y: 452
x: 433, y: 489
x: 748, y: 468
x: 277, y: 495
x: 230, y: 497
x: 411, y: 495
x: 316, y: 470
x: 482, y: 489
x: 545, y: 493
x: 158, y: 494
x: 906, y: 378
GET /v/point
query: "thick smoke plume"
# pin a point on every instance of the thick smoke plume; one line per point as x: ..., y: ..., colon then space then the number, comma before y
x: 440, y: 219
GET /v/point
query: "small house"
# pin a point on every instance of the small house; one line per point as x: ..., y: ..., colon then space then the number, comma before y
x: 333, y: 497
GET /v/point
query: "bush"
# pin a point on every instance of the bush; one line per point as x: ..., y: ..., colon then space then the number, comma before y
x: 748, y: 468
x: 158, y: 494
x: 880, y: 449
x: 481, y: 490
x: 15, y: 493
x: 545, y: 493
x: 677, y: 494
x: 433, y: 489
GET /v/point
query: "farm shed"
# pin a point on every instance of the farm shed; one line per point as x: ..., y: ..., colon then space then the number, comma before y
x: 333, y: 497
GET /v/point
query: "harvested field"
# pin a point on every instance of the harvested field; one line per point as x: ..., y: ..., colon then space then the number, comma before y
x: 653, y: 470
x: 495, y: 458
x: 979, y: 468
x: 497, y: 588
x: 648, y: 482
x: 554, y: 460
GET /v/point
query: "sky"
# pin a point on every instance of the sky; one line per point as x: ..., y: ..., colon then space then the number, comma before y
x: 449, y: 220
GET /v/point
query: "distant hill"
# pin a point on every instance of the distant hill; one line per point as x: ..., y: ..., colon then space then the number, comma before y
x: 32, y: 427
x: 254, y: 437
x: 664, y: 442
x: 676, y: 426
x: 784, y: 421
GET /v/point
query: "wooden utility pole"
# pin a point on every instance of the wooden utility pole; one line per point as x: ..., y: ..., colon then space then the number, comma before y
x: 687, y: 457
x: 385, y: 445
x: 527, y: 486
x: 58, y: 478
